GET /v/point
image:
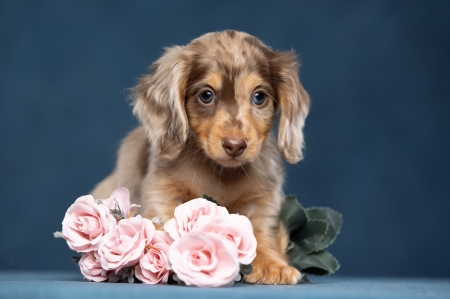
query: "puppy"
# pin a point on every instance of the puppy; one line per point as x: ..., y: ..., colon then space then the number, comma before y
x: 207, y: 110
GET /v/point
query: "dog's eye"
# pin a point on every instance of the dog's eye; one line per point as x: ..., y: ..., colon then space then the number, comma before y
x: 259, y: 98
x: 206, y: 97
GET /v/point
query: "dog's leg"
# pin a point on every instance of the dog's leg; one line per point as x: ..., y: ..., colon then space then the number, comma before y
x: 132, y: 163
x: 160, y: 196
x: 270, y: 265
x: 131, y: 166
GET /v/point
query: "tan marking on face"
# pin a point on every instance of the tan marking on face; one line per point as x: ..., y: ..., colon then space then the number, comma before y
x: 214, y: 80
x: 255, y: 121
x: 251, y: 122
x: 235, y: 69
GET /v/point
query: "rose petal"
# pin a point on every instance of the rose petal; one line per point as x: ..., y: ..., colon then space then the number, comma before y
x: 204, y: 259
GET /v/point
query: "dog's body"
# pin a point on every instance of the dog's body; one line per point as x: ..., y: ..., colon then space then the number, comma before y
x: 206, y: 114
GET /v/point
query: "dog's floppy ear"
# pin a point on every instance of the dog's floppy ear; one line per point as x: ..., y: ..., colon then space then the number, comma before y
x: 158, y: 101
x: 293, y: 106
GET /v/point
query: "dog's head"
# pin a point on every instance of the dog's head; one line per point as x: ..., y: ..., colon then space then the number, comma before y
x: 224, y: 88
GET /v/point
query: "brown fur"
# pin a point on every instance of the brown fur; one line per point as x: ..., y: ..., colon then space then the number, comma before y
x: 177, y: 155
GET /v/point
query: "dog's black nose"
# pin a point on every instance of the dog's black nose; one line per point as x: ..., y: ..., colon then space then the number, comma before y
x: 234, y: 147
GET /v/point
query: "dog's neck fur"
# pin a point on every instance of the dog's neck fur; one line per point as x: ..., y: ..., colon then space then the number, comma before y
x: 199, y: 174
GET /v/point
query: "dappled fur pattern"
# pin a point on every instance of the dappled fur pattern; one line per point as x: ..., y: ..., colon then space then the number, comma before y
x: 177, y: 154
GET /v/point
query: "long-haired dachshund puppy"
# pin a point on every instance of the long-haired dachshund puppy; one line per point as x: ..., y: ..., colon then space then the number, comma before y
x: 206, y: 111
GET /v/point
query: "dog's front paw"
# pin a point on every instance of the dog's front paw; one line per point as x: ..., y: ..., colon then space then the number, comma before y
x: 273, y: 274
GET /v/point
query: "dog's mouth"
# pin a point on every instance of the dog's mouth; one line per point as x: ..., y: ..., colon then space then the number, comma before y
x: 231, y: 161
x: 233, y: 152
x: 224, y: 157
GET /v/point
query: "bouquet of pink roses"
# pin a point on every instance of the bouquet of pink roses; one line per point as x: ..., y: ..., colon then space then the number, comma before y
x: 202, y: 245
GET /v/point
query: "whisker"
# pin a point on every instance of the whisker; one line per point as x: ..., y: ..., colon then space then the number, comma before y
x: 198, y: 158
x: 259, y: 159
x: 194, y: 150
x: 189, y: 143
x: 205, y: 158
x: 245, y: 173
x: 234, y: 170
x: 265, y: 159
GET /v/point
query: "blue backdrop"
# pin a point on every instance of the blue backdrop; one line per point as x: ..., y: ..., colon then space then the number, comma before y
x: 377, y: 137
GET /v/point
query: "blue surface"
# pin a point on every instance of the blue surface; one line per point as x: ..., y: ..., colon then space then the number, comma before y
x: 70, y: 285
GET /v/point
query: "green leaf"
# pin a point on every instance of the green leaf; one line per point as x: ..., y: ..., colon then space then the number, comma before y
x: 210, y: 199
x: 305, y: 280
x: 308, y: 237
x: 292, y: 214
x: 289, y: 246
x: 246, y: 269
x: 334, y: 220
x: 317, y: 263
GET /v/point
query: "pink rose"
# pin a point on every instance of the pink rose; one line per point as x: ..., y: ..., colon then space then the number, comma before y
x: 124, y: 246
x: 85, y: 223
x: 152, y: 267
x: 187, y: 214
x: 120, y: 200
x: 204, y: 259
x: 236, y: 228
x: 92, y: 270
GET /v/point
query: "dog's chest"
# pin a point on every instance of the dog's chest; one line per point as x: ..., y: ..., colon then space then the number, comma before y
x: 225, y: 187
